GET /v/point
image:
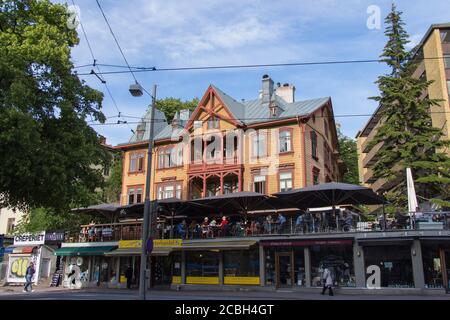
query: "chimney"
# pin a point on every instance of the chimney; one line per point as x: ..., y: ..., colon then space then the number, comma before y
x: 286, y: 92
x: 140, y: 131
x: 267, y: 89
x: 176, y: 120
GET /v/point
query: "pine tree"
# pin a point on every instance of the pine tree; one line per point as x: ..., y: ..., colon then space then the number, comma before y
x: 406, y: 131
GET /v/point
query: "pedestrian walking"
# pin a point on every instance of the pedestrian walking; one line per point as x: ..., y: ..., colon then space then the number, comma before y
x: 129, y: 276
x: 327, y: 281
x: 29, y: 278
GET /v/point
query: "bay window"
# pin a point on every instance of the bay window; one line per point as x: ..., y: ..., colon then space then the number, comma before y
x: 167, y: 190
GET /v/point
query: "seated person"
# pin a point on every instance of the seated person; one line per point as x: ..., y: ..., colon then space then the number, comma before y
x: 281, y: 220
x: 192, y: 229
x: 307, y: 220
x: 181, y: 229
x: 223, y: 226
x: 238, y: 229
x: 299, y: 223
x: 205, y: 228
x: 348, y: 221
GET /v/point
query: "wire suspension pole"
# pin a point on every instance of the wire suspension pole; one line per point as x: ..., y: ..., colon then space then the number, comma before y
x: 147, y: 223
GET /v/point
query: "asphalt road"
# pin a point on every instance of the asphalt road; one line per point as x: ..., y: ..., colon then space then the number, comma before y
x: 198, y: 295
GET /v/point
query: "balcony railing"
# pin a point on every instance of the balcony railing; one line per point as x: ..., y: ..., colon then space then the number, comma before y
x: 258, y: 228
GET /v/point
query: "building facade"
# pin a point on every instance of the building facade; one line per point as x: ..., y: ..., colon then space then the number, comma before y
x: 433, y: 54
x: 266, y: 145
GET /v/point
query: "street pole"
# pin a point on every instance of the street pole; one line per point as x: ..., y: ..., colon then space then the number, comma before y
x: 147, y: 223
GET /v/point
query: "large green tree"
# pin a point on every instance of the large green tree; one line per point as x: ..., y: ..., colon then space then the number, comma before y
x: 171, y: 105
x: 349, y: 154
x: 407, y: 134
x: 47, y: 149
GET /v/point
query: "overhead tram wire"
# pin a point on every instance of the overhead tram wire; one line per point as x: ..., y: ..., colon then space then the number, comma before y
x: 115, y: 39
x: 100, y: 72
x: 225, y: 119
x: 154, y: 69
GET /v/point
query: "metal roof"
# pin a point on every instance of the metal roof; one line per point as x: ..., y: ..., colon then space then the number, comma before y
x: 247, y: 112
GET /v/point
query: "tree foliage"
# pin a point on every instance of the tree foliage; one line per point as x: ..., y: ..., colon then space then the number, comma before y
x: 47, y: 150
x: 407, y: 135
x: 171, y: 105
x: 349, y: 154
x: 113, y: 185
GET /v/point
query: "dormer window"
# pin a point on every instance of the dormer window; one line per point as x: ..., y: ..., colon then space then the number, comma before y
x: 140, y: 132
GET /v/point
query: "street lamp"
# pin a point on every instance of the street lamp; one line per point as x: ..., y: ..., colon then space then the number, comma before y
x: 136, y: 90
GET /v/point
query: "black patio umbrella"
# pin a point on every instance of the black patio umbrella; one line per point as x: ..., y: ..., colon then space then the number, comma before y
x: 330, y: 194
x: 240, y: 202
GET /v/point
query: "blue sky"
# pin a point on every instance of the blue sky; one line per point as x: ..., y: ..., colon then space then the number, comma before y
x: 197, y: 33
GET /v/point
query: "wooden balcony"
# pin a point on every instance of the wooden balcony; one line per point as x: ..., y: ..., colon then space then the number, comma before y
x: 214, y: 164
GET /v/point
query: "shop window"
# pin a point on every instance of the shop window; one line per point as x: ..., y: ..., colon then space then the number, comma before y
x: 299, y: 267
x: 202, y: 264
x: 285, y: 181
x: 259, y: 184
x: 432, y: 266
x: 241, y: 263
x: 314, y: 145
x: 394, y: 262
x: 338, y: 259
x: 285, y: 142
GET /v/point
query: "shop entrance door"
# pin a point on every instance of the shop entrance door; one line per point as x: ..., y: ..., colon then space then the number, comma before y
x: 284, y: 269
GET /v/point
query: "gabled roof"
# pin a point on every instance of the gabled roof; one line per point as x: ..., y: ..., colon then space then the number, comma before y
x: 246, y: 113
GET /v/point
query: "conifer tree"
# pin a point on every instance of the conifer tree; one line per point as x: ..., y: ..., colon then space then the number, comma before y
x: 406, y: 133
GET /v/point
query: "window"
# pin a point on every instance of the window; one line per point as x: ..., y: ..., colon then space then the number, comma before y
x: 213, y: 122
x: 169, y: 190
x: 10, y: 226
x: 314, y: 144
x: 447, y: 61
x: 448, y: 86
x: 259, y: 145
x: 170, y: 157
x: 242, y: 263
x: 197, y: 124
x: 135, y: 194
x: 339, y: 260
x: 285, y: 181
x: 316, y: 175
x: 202, y: 264
x: 445, y: 36
x: 133, y: 160
x: 137, y: 162
x: 259, y: 183
x: 326, y: 128
x: 285, y: 141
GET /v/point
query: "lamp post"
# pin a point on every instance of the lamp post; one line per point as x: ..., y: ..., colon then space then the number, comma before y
x: 147, y: 231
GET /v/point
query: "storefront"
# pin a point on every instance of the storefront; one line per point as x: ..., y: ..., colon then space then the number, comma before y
x: 300, y: 263
x: 436, y: 263
x: 29, y: 248
x: 86, y: 265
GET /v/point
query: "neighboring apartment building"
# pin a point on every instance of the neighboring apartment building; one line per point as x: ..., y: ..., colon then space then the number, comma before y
x: 434, y: 45
x: 278, y: 144
x: 9, y: 219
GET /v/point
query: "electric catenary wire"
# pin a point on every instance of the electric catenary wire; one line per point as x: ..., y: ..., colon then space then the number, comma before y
x: 99, y: 71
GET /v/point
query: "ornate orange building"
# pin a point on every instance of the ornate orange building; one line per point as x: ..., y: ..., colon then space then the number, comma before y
x: 269, y: 144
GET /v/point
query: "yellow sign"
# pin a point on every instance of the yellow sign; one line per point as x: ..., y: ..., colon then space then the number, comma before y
x: 176, y: 280
x: 123, y: 279
x: 132, y: 244
x: 167, y: 243
x: 202, y: 280
x: 241, y: 280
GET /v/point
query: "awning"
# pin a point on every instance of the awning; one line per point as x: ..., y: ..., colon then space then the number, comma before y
x: 387, y: 241
x: 84, y: 251
x: 218, y: 245
x: 20, y: 249
x: 137, y: 252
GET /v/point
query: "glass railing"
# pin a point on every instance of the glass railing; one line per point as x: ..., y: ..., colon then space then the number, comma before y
x: 259, y: 228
